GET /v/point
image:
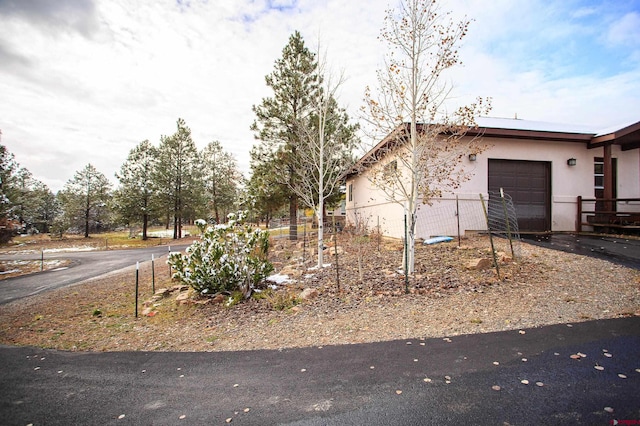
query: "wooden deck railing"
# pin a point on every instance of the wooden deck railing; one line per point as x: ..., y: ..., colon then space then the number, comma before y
x: 608, y: 214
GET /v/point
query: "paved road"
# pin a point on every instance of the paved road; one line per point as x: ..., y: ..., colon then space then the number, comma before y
x: 340, y: 385
x: 84, y: 265
x: 623, y: 251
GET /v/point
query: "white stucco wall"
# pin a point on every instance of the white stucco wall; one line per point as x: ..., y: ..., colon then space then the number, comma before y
x: 567, y: 182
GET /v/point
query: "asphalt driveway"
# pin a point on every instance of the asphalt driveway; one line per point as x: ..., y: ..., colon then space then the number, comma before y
x: 519, y: 377
x: 622, y: 251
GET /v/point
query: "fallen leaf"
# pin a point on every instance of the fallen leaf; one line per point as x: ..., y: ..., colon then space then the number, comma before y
x: 522, y: 332
x: 582, y: 355
x: 622, y: 376
x: 228, y: 420
x: 496, y: 363
x: 246, y: 410
x: 236, y: 385
x: 426, y: 379
x: 608, y: 355
x: 415, y: 360
x: 495, y: 387
x: 121, y: 416
x: 540, y: 384
x: 599, y: 367
x: 398, y: 392
x: 608, y: 409
x: 524, y: 381
x: 575, y: 356
x: 303, y: 370
x: 182, y: 417
x: 372, y: 367
x: 524, y: 360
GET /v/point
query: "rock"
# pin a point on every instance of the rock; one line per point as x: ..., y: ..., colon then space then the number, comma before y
x: 479, y: 264
x: 331, y: 251
x: 179, y: 287
x: 162, y: 292
x: 183, y: 298
x: 308, y: 294
x: 292, y: 270
x: 147, y: 312
x: 219, y: 299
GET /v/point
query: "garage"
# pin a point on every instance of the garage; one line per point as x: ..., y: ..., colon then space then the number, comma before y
x: 529, y: 185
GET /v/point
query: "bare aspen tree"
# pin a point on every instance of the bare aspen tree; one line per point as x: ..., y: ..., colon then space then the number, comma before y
x: 423, y: 144
x: 326, y: 143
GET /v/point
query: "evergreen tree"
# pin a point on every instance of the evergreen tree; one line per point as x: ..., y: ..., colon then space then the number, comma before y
x: 136, y: 194
x: 265, y: 194
x: 294, y: 82
x: 221, y: 180
x: 177, y: 176
x: 84, y: 198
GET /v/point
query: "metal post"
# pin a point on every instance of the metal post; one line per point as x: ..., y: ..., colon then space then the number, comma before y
x: 137, y: 271
x: 406, y: 257
x: 493, y: 250
x: 335, y: 250
x: 41, y: 260
x: 169, y: 263
x: 458, y: 219
x: 153, y: 276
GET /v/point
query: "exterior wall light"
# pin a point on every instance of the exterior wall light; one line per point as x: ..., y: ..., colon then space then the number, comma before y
x: 472, y: 157
x: 571, y: 162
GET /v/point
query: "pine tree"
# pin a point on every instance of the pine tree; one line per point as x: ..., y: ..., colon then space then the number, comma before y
x: 177, y: 176
x: 294, y: 82
x: 221, y: 180
x: 85, y: 197
x: 136, y: 194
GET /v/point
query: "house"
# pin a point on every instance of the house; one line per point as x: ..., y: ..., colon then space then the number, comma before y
x: 543, y: 167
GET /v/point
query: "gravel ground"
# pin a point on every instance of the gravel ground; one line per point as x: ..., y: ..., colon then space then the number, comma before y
x: 540, y: 287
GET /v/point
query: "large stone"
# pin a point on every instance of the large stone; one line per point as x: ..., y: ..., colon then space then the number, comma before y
x: 308, y: 294
x: 183, y: 298
x: 293, y: 270
x: 162, y: 292
x: 331, y: 251
x: 219, y: 299
x: 479, y: 264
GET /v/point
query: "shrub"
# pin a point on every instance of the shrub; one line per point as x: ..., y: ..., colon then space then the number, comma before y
x: 228, y: 257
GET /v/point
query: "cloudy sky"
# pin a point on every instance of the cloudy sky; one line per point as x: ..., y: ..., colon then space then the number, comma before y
x: 84, y: 81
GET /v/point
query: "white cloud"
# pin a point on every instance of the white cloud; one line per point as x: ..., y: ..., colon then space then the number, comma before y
x: 89, y: 86
x: 625, y: 31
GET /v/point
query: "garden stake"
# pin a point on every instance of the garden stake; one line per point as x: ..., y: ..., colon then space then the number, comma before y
x: 169, y: 263
x: 506, y: 220
x: 153, y: 276
x: 41, y: 260
x: 406, y: 257
x: 137, y: 268
x: 335, y: 250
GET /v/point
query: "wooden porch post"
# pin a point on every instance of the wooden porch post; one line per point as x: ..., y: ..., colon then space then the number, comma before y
x: 608, y: 178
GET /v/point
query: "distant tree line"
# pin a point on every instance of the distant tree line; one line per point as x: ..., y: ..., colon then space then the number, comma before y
x: 170, y: 184
x: 305, y: 139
